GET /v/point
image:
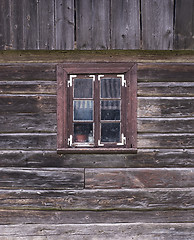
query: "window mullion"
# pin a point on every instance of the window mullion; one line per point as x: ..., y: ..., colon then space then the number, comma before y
x: 96, y: 111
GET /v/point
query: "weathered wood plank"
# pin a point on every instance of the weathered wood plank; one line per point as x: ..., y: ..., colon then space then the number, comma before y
x: 166, y: 89
x: 28, y: 122
x: 125, y: 24
x: 166, y: 72
x: 64, y: 23
x: 27, y: 104
x: 5, y: 25
x: 151, y: 231
x: 184, y: 26
x: 93, y: 24
x: 46, y: 25
x: 157, y: 158
x: 157, y: 24
x: 28, y: 141
x: 165, y: 125
x: 46, y: 178
x: 27, y: 72
x: 31, y: 34
x: 88, y: 217
x: 133, y: 199
x: 172, y: 107
x: 168, y: 140
x: 138, y: 178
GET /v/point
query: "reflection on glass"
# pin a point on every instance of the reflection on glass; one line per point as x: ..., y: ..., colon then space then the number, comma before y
x: 83, y: 109
x: 83, y: 88
x: 83, y: 133
x: 110, y: 110
x: 110, y: 88
x: 110, y: 132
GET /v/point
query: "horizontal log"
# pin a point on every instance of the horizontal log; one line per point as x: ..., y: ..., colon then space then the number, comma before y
x: 168, y: 140
x: 44, y: 178
x: 28, y: 87
x: 28, y: 122
x: 27, y: 71
x: 166, y: 72
x: 133, y: 199
x: 138, y: 178
x: 28, y: 141
x: 165, y: 125
x: 74, y: 217
x: 165, y: 107
x: 48, y: 141
x: 27, y: 103
x: 144, y: 158
x: 166, y: 89
x: 121, y: 231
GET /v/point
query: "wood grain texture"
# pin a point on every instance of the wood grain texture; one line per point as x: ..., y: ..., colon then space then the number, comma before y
x: 125, y: 24
x: 184, y: 25
x: 133, y: 199
x: 157, y: 24
x: 45, y: 178
x: 64, y: 23
x: 120, y: 231
x: 157, y: 158
x: 138, y: 178
x: 89, y: 217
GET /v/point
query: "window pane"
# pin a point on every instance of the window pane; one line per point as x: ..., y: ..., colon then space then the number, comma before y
x: 83, y: 88
x: 110, y: 132
x: 110, y: 110
x: 83, y: 109
x: 83, y: 132
x: 110, y: 88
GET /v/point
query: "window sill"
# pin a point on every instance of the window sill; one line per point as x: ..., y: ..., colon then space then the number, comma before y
x: 96, y: 150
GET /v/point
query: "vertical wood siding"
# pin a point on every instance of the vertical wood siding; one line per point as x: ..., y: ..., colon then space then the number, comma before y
x: 98, y: 24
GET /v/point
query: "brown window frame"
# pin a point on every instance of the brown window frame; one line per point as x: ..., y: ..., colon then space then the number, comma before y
x: 129, y: 110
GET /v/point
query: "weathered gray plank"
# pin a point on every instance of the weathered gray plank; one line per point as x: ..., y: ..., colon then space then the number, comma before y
x: 168, y: 140
x: 157, y: 24
x: 28, y: 122
x: 136, y: 199
x: 17, y: 24
x: 27, y: 104
x: 88, y: 217
x: 46, y: 25
x: 44, y: 178
x: 125, y: 24
x: 184, y: 25
x: 31, y: 34
x: 27, y: 72
x: 165, y: 125
x: 5, y: 25
x: 93, y: 24
x: 28, y: 141
x: 153, y: 231
x: 144, y: 158
x: 102, y: 178
x: 28, y: 87
x: 64, y: 23
x: 166, y: 89
x: 171, y: 107
x: 166, y: 72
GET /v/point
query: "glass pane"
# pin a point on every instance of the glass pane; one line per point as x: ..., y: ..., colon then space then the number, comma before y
x: 110, y: 110
x: 110, y: 88
x: 83, y: 132
x: 83, y: 109
x: 110, y: 132
x: 83, y: 88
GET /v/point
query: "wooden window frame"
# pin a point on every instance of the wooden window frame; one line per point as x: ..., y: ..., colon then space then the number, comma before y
x: 130, y: 72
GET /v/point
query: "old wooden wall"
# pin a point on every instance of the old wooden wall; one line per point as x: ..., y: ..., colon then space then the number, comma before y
x: 96, y: 24
x: 148, y: 195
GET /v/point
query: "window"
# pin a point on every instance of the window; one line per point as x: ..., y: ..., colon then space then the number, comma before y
x: 96, y: 107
